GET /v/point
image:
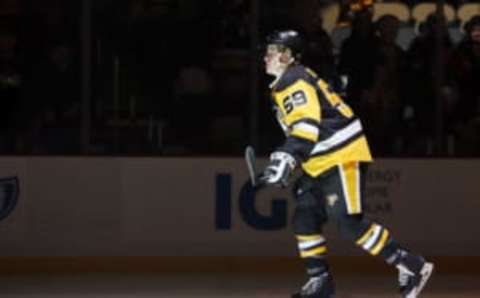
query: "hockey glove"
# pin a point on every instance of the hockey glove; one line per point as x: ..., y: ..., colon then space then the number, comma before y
x: 279, y: 169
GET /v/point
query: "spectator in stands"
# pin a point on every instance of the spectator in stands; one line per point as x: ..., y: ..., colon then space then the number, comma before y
x: 357, y: 63
x: 350, y: 8
x: 359, y: 5
x: 318, y: 53
x: 234, y: 23
x: 51, y: 103
x: 454, y: 3
x: 382, y: 98
x: 464, y: 70
x: 426, y: 59
x: 356, y: 58
x: 191, y: 107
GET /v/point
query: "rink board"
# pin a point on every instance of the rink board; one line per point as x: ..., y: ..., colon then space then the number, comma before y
x: 167, y: 207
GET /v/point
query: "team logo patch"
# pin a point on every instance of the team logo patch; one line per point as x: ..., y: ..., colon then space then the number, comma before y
x: 8, y: 196
x: 332, y: 199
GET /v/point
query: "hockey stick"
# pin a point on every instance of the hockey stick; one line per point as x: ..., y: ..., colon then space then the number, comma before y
x: 250, y: 159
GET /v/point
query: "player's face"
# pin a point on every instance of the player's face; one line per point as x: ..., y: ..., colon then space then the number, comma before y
x: 272, y: 59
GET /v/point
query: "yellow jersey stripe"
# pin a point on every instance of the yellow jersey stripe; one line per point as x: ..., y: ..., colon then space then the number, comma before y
x: 304, y: 135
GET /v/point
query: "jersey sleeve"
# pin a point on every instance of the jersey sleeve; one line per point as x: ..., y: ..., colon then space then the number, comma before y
x: 297, y: 147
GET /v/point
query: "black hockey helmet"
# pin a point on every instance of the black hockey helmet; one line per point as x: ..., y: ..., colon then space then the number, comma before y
x: 290, y: 39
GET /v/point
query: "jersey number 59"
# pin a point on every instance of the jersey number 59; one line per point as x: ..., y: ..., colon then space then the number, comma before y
x: 293, y: 100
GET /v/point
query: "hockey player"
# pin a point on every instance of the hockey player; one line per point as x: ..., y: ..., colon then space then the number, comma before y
x: 325, y: 140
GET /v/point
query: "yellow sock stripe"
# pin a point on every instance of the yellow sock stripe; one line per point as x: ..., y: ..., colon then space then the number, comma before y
x: 314, y: 252
x: 367, y: 235
x: 381, y: 244
x: 308, y: 237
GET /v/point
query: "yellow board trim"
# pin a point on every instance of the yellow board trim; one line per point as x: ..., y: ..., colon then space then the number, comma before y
x: 315, y: 252
x: 381, y: 244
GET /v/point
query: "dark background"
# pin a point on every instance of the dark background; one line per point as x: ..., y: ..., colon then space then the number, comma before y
x: 185, y: 77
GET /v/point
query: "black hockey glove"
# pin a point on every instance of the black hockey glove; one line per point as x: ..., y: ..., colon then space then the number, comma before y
x: 278, y: 170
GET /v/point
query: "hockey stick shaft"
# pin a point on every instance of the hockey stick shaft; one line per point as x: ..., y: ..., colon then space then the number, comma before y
x: 250, y: 159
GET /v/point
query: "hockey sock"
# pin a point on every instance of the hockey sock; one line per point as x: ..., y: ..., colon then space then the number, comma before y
x: 313, y: 251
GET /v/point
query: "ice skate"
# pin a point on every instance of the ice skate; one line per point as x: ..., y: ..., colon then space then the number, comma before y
x: 321, y: 286
x: 412, y: 283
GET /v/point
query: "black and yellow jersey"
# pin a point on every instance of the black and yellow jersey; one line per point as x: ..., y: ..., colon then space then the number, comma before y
x: 322, y: 131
